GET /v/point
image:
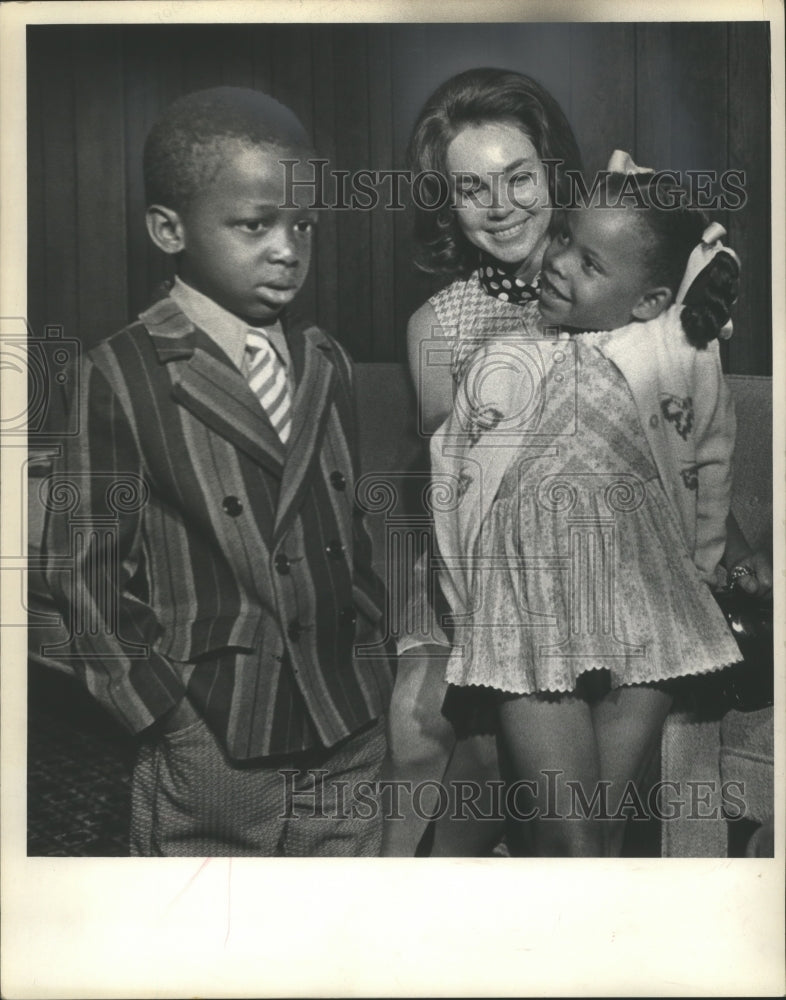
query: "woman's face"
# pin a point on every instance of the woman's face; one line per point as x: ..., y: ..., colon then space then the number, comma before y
x: 501, y: 193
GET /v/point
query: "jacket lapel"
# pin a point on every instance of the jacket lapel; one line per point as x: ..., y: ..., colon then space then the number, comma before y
x: 315, y: 376
x: 209, y: 386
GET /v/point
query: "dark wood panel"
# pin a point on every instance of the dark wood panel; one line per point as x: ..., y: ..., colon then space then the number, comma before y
x: 750, y: 349
x: 602, y: 95
x: 200, y: 54
x: 386, y: 342
x: 698, y: 84
x: 700, y: 113
x: 352, y: 113
x: 262, y: 45
x: 413, y: 78
x: 292, y: 69
x: 681, y: 105
x: 101, y: 184
x: 653, y: 96
x: 237, y: 57
x: 153, y: 79
x: 323, y: 265
x: 691, y: 128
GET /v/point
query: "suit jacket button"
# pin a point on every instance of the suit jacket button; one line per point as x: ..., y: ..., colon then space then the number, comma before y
x: 293, y: 631
x: 338, y: 481
x: 334, y: 549
x: 232, y: 506
x: 282, y: 564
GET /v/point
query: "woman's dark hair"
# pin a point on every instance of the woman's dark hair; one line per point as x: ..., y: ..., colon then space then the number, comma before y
x: 476, y: 97
x: 675, y: 229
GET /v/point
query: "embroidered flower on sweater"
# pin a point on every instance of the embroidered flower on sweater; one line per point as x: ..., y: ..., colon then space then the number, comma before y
x: 690, y: 477
x: 465, y: 481
x: 482, y: 419
x: 678, y: 412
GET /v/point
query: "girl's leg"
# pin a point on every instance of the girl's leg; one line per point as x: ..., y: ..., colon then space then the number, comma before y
x: 473, y: 825
x: 420, y: 743
x: 628, y: 723
x: 549, y: 742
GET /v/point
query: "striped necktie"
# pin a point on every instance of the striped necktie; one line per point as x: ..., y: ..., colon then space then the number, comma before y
x: 267, y: 376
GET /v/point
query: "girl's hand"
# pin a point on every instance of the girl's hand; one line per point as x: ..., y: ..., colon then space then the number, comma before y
x: 758, y: 579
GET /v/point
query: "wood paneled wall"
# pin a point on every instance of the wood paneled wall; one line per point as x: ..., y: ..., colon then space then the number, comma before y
x: 678, y: 96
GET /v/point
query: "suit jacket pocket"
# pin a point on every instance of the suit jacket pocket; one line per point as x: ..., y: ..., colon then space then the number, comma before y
x: 188, y: 639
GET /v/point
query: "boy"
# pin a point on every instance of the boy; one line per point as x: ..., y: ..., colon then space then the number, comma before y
x: 223, y: 577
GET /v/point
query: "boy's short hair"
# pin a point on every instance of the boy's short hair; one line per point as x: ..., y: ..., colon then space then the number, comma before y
x: 182, y: 150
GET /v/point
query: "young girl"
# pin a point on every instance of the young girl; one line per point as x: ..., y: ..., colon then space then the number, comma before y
x: 591, y: 476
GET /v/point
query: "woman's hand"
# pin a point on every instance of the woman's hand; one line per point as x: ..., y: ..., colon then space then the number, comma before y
x: 748, y: 569
x: 758, y: 580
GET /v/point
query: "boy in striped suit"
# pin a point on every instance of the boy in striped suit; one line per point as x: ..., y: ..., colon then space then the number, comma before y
x: 219, y: 555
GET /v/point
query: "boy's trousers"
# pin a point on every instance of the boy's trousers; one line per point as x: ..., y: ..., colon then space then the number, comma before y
x: 190, y: 799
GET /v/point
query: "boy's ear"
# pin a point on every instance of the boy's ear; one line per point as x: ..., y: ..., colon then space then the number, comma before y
x: 652, y: 303
x: 165, y: 228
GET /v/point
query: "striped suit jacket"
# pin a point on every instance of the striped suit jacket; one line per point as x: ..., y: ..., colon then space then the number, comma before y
x: 203, y: 557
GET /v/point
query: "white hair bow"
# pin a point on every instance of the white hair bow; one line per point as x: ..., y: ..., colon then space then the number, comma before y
x: 621, y: 162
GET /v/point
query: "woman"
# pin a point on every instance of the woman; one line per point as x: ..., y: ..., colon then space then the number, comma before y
x: 504, y: 145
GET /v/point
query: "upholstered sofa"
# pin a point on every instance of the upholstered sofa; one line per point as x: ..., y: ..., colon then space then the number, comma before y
x: 737, y: 748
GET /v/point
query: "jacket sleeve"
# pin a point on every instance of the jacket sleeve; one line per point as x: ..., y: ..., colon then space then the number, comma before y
x: 715, y: 434
x: 94, y: 562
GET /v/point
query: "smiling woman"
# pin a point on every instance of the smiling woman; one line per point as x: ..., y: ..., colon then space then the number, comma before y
x: 501, y: 194
x: 488, y: 130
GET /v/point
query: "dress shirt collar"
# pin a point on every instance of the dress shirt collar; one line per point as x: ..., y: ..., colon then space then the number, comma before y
x: 228, y: 331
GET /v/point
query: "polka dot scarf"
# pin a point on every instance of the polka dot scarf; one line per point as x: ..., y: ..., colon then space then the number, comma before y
x: 501, y: 283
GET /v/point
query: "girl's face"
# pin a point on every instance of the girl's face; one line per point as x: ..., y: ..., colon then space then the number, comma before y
x: 594, y: 272
x: 501, y: 195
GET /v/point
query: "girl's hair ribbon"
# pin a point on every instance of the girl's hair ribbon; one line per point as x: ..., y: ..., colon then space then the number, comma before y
x: 621, y: 162
x: 701, y: 255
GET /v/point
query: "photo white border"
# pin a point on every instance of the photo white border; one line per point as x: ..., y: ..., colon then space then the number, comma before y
x: 251, y: 928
